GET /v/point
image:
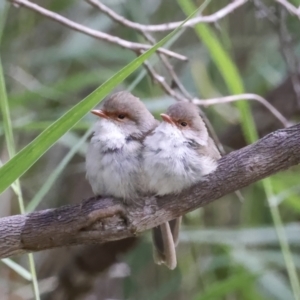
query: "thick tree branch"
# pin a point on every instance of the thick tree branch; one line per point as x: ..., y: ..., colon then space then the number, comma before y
x: 101, y: 220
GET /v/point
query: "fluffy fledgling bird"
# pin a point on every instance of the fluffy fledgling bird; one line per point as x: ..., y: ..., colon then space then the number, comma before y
x: 113, y: 160
x: 114, y: 165
x: 177, y: 154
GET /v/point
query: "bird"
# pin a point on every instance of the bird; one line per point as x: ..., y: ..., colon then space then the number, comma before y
x: 114, y: 163
x: 114, y: 155
x: 177, y: 154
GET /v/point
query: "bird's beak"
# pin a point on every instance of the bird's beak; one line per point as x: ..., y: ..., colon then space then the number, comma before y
x: 167, y: 119
x: 100, y: 113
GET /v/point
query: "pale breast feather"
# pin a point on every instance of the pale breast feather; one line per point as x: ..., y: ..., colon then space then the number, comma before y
x: 172, y: 164
x: 113, y: 164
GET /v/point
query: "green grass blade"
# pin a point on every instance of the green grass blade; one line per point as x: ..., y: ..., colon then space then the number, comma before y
x: 16, y: 183
x: 17, y: 268
x: 4, y: 8
x: 20, y: 163
x: 286, y: 252
x: 6, y: 116
x: 9, y: 133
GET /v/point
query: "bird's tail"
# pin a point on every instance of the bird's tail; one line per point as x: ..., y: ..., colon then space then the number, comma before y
x: 165, y: 239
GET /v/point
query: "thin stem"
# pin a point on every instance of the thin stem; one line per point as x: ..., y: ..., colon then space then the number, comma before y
x: 284, y: 245
x: 223, y: 12
x: 248, y: 96
x: 11, y: 151
x: 136, y: 47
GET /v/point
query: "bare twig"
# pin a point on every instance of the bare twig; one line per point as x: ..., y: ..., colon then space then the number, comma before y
x: 116, y: 17
x: 163, y: 83
x: 168, y: 26
x: 136, y: 47
x: 255, y: 97
x: 169, y: 67
x: 290, y: 7
x: 101, y: 220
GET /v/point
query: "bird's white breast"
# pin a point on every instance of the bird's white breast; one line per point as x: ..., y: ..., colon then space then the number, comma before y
x: 113, y: 164
x: 170, y: 163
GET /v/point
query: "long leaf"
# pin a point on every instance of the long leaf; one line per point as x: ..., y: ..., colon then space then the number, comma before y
x: 16, y: 185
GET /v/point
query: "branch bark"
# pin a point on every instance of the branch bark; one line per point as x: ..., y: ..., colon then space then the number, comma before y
x: 99, y: 220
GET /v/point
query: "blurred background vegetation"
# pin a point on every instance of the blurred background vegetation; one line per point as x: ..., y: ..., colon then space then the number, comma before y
x: 228, y: 249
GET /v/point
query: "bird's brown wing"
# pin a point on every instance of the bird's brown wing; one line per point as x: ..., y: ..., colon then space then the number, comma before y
x: 209, y: 150
x: 214, y: 152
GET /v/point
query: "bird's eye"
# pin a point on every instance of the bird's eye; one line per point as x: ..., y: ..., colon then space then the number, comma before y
x: 121, y: 116
x: 183, y: 124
